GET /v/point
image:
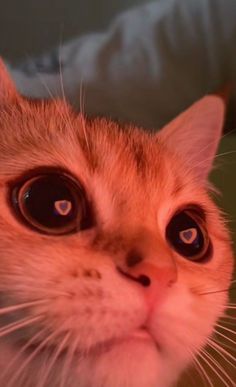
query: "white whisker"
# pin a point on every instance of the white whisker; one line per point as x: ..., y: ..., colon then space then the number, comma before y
x: 31, y: 357
x: 225, y: 328
x: 209, y: 364
x: 22, y: 350
x: 222, y: 352
x: 54, y: 358
x: 221, y: 343
x: 224, y: 336
x: 67, y: 363
x: 199, y: 371
x: 14, y: 308
x: 220, y: 368
x: 10, y: 328
x: 82, y: 114
x: 203, y: 371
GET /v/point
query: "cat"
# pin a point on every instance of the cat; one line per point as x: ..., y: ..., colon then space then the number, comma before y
x: 114, y: 260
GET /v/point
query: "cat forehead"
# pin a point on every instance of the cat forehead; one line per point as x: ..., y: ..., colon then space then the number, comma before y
x: 39, y: 133
x: 36, y: 125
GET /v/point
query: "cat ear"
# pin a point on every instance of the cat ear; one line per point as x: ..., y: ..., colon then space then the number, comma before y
x: 8, y: 92
x: 195, y: 134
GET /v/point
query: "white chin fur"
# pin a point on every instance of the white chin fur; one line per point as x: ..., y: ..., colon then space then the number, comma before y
x: 131, y: 363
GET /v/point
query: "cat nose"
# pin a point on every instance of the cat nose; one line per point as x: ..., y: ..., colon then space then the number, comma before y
x: 155, y: 274
x: 149, y: 272
x: 149, y: 263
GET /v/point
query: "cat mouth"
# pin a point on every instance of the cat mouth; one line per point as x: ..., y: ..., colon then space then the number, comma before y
x: 139, y: 335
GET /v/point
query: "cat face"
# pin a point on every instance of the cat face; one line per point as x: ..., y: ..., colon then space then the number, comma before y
x: 113, y: 256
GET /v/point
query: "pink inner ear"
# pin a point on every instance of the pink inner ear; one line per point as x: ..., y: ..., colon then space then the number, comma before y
x: 195, y: 134
x: 8, y: 90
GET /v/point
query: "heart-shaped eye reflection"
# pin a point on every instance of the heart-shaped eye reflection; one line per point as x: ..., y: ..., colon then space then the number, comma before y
x: 63, y: 207
x: 189, y: 235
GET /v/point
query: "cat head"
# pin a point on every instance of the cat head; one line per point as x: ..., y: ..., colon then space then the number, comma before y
x: 114, y: 260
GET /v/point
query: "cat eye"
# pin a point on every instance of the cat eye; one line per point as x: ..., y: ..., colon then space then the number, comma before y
x: 52, y: 203
x: 187, y: 234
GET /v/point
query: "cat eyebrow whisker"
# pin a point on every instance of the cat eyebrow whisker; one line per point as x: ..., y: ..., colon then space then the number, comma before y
x: 65, y: 117
x: 81, y: 103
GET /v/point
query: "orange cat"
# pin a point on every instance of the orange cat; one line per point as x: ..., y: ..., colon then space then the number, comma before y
x: 114, y: 259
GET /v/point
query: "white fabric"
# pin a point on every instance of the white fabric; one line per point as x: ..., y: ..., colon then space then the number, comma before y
x: 151, y: 63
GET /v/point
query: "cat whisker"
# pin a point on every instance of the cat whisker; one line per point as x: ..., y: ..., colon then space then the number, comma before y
x: 216, y: 291
x: 228, y: 133
x: 10, y: 328
x: 198, y: 363
x: 214, y: 366
x: 82, y: 114
x: 31, y: 357
x: 30, y: 342
x: 25, y: 305
x: 229, y: 317
x: 54, y: 358
x: 50, y: 294
x: 209, y: 291
x: 231, y: 305
x: 199, y: 367
x: 222, y: 352
x: 80, y: 99
x: 42, y: 367
x: 223, y: 344
x: 224, y: 336
x: 65, y: 118
x: 228, y: 322
x: 202, y: 162
x: 225, y: 328
x: 68, y: 361
x: 219, y: 367
x: 225, y: 153
x: 60, y: 75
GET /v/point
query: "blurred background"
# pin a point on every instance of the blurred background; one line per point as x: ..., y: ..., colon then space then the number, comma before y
x: 31, y: 27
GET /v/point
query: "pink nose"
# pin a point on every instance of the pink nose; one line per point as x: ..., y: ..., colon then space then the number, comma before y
x: 148, y: 273
x: 155, y: 279
x: 149, y: 262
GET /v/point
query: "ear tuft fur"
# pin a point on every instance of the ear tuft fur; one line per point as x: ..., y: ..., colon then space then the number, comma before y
x: 8, y: 92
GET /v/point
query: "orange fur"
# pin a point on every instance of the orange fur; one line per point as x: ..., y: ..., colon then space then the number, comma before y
x: 136, y: 182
